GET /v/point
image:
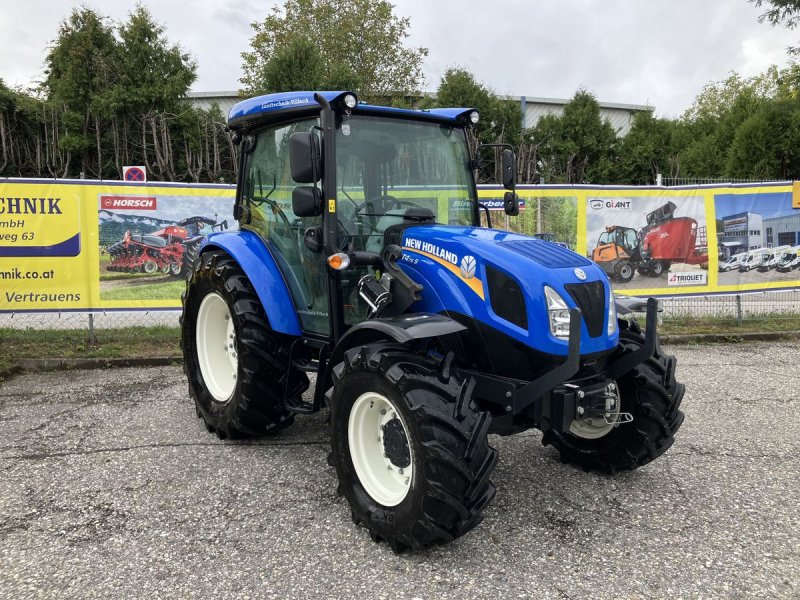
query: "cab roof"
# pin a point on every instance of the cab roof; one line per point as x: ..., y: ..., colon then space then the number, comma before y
x: 270, y: 108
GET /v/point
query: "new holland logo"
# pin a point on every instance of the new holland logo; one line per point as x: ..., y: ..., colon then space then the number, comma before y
x: 580, y: 274
x: 596, y: 204
x: 468, y: 267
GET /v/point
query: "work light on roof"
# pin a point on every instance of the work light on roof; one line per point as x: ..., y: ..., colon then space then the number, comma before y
x: 474, y: 117
x: 350, y: 101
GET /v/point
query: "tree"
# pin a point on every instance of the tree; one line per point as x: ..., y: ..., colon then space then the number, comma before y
x: 499, y: 119
x: 154, y: 79
x: 716, y: 114
x: 79, y: 73
x: 577, y: 146
x: 299, y: 66
x: 153, y: 74
x: 766, y: 145
x: 647, y: 150
x: 361, y: 42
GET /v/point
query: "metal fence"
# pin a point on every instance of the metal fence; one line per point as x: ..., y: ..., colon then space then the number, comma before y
x: 778, y: 309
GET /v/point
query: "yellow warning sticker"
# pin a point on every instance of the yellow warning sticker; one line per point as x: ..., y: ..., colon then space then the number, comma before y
x: 331, y: 205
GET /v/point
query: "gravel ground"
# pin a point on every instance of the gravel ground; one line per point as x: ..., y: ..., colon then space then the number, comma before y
x: 111, y: 487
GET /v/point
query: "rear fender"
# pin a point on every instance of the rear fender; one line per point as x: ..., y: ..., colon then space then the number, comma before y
x: 255, y: 259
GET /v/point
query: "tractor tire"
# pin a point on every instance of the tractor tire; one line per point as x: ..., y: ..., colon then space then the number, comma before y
x: 651, y: 395
x: 657, y: 268
x: 238, y: 369
x: 409, y: 446
x: 624, y: 271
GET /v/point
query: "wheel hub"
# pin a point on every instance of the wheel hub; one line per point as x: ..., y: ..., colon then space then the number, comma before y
x: 395, y: 443
x: 380, y: 449
x: 216, y: 347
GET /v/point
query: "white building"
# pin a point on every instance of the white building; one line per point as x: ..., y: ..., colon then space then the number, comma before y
x: 782, y: 231
x: 741, y: 232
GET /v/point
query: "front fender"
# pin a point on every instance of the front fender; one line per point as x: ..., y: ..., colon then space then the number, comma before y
x: 255, y: 259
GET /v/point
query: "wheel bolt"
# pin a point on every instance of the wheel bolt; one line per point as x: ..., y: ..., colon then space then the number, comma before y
x: 400, y: 471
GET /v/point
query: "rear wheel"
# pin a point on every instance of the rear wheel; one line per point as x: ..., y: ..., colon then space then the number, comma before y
x: 238, y: 368
x: 656, y: 268
x: 409, y: 446
x: 650, y: 394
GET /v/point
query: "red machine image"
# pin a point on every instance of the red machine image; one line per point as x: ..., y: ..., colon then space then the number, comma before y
x: 170, y: 250
x: 665, y: 240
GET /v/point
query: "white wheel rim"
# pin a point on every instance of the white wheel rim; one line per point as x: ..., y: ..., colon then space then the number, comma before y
x: 175, y: 268
x: 597, y: 427
x: 386, y: 482
x: 150, y: 267
x: 216, y: 347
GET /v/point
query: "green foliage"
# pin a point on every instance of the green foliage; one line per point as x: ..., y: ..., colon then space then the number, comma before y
x: 767, y: 144
x: 295, y: 66
x: 648, y: 148
x: 359, y: 42
x: 577, y: 146
x: 153, y: 75
x: 113, y: 97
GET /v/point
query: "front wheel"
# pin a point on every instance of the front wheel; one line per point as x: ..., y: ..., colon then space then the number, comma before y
x: 409, y: 446
x: 650, y: 394
x: 624, y: 271
x: 238, y: 369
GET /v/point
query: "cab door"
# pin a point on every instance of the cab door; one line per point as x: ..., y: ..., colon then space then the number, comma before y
x: 266, y: 190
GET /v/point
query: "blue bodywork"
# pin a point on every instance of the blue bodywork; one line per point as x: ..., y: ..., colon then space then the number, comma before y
x: 432, y: 256
x: 273, y: 107
x: 252, y: 255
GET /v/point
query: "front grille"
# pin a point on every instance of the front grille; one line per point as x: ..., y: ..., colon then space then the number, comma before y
x: 591, y: 299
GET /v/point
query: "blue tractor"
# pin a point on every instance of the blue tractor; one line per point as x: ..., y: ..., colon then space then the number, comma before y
x: 359, y: 259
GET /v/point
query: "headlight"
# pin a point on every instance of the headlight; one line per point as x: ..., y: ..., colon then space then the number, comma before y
x: 474, y: 117
x: 558, y: 312
x: 350, y: 101
x: 612, y: 312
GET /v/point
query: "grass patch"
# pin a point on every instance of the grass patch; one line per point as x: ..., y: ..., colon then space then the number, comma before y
x: 129, y: 342
x: 720, y: 325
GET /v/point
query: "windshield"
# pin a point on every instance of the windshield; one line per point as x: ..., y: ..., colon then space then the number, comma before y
x: 391, y: 170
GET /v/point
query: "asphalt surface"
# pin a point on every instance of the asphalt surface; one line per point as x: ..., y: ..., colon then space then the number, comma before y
x: 111, y: 487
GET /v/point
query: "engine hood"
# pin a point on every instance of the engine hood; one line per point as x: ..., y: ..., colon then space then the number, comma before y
x: 452, y: 263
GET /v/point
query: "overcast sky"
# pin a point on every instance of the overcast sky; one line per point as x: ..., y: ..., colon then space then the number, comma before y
x: 630, y: 51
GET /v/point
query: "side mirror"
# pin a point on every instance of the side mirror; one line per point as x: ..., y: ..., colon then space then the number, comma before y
x: 305, y: 157
x: 306, y: 201
x: 509, y: 170
x: 511, y: 204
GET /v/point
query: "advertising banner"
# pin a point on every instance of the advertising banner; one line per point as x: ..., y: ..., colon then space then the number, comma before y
x: 77, y: 245
x: 74, y: 245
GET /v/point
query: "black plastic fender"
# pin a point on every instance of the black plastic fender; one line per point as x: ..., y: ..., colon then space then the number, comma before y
x: 401, y: 329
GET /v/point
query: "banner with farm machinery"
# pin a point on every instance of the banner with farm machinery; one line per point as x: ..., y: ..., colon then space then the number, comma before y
x: 77, y: 245
x: 86, y: 245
